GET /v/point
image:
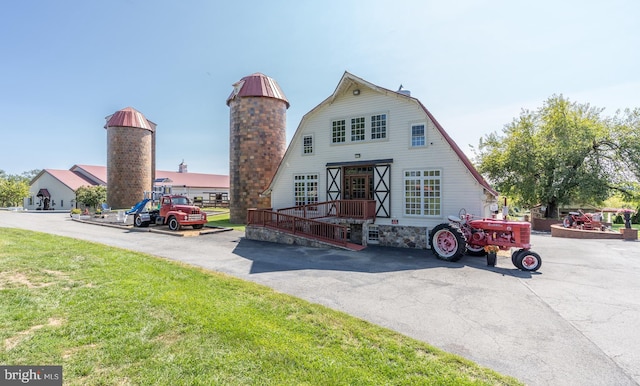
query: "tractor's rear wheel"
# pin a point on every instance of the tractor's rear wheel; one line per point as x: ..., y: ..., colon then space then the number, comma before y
x: 198, y: 226
x: 447, y: 242
x: 529, y: 261
x: 174, y: 225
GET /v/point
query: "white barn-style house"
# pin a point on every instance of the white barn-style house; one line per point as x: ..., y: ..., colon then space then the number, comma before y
x: 371, y: 143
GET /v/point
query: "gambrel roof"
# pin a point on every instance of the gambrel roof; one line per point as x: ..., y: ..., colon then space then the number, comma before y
x: 350, y: 82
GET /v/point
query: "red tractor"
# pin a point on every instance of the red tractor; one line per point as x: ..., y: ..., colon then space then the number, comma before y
x: 450, y: 241
x: 582, y: 220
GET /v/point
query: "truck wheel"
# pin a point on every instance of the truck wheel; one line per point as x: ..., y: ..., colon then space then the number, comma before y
x: 198, y: 226
x: 174, y: 225
x: 447, y: 242
x: 137, y: 221
x: 529, y: 261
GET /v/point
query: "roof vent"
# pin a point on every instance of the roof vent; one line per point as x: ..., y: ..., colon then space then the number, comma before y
x: 404, y: 92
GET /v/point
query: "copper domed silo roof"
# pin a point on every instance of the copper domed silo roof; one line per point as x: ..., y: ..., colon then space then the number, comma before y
x: 258, y: 85
x: 129, y: 117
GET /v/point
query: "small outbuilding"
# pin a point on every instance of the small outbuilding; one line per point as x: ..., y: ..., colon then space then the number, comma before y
x: 54, y: 189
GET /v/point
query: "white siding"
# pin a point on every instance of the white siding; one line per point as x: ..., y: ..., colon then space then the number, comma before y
x: 58, y: 191
x: 459, y: 188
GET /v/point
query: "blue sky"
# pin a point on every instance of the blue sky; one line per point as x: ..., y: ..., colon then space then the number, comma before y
x: 65, y: 65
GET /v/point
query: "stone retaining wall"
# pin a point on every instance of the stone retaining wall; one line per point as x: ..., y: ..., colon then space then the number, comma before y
x: 275, y: 236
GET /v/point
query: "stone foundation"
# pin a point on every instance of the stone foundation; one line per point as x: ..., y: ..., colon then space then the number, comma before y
x: 389, y: 236
x: 403, y: 236
x: 274, y: 236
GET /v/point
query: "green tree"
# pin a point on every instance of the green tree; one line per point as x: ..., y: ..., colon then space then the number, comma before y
x: 563, y: 152
x: 13, y: 189
x: 91, y: 196
x: 31, y: 174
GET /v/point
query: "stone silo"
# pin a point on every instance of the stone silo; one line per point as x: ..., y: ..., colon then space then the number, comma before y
x: 258, y: 141
x: 130, y: 157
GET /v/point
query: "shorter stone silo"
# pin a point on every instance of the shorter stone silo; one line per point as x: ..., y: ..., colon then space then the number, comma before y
x: 130, y: 157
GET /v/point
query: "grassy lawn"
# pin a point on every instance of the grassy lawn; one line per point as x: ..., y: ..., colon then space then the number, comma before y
x: 615, y: 227
x: 221, y: 219
x: 113, y: 316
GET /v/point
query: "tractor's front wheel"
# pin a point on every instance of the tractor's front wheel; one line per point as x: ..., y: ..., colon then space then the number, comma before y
x: 174, y: 225
x: 514, y: 257
x: 476, y: 250
x: 528, y: 261
x: 447, y: 242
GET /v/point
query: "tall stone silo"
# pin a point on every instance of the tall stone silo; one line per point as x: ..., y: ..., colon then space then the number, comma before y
x: 258, y: 141
x: 131, y: 143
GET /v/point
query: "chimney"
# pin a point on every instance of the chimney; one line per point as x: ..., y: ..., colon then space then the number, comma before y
x: 182, y: 168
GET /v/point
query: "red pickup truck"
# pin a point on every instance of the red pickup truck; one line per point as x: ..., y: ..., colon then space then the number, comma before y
x: 174, y: 211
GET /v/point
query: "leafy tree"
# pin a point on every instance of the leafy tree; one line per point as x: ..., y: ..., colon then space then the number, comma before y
x: 564, y: 152
x: 31, y: 174
x: 13, y: 189
x: 91, y: 196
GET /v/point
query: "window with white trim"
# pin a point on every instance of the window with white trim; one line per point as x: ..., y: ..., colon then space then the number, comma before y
x: 422, y: 193
x: 379, y: 126
x: 305, y: 189
x: 338, y: 131
x: 307, y: 144
x: 418, y: 136
x: 357, y: 129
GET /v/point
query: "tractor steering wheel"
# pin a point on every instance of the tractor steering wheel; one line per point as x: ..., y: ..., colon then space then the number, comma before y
x: 462, y: 214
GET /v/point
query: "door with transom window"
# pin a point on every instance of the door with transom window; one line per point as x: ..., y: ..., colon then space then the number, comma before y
x: 358, y: 183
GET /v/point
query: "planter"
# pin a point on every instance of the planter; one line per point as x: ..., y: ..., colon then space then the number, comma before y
x: 629, y: 233
x: 491, y: 259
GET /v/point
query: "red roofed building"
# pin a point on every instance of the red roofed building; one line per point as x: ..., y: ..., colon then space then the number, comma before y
x: 54, y: 189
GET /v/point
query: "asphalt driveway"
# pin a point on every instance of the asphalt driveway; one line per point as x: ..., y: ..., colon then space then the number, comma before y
x: 574, y: 322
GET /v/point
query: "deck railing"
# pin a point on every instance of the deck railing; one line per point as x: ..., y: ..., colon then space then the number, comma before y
x: 356, y: 209
x: 319, y: 230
